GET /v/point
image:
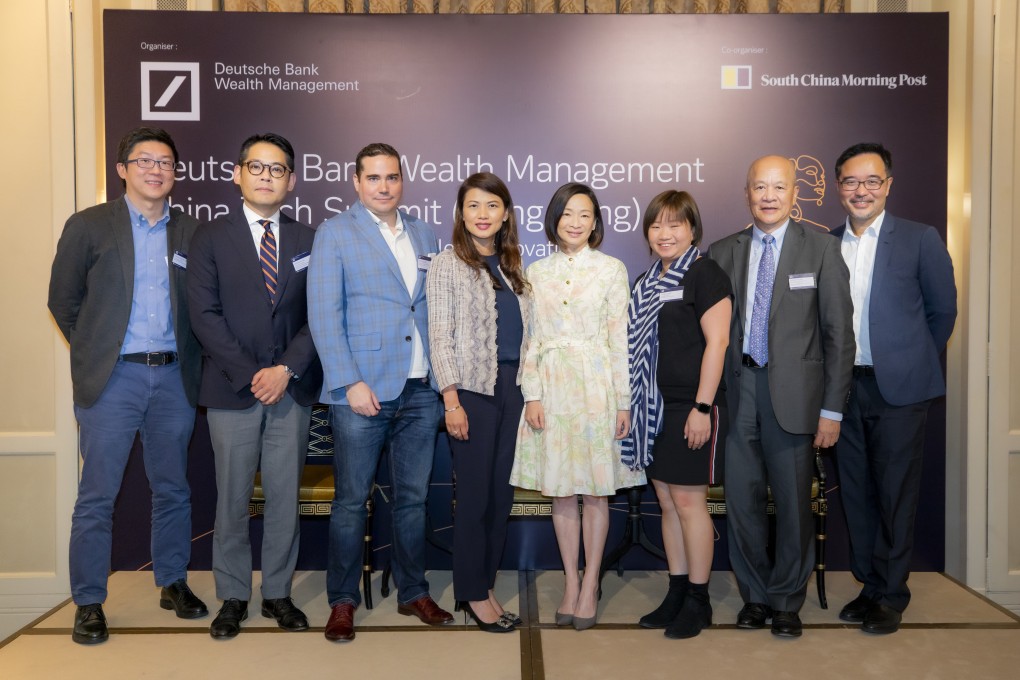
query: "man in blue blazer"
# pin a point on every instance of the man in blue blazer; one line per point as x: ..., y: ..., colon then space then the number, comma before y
x: 117, y: 292
x: 787, y: 375
x: 367, y: 313
x: 904, y: 295
x: 260, y: 377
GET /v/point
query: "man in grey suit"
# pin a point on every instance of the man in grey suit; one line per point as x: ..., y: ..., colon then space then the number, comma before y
x: 901, y: 279
x: 260, y: 377
x: 369, y: 319
x: 787, y: 374
x: 117, y: 292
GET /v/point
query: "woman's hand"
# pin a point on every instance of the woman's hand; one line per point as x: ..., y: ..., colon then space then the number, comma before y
x: 534, y: 415
x: 622, y: 424
x: 698, y: 429
x: 457, y: 423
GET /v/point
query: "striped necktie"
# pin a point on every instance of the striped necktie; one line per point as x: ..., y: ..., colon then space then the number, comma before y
x: 267, y: 254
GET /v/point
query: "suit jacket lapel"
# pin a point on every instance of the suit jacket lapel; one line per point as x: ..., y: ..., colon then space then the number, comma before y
x: 370, y: 231
x: 883, y: 255
x: 793, y: 243
x: 287, y: 251
x: 741, y: 258
x: 125, y: 245
x: 420, y: 248
x: 239, y: 233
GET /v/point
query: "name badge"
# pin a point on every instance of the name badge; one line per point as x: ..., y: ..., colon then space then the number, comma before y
x: 300, y: 262
x: 801, y: 281
x: 424, y: 261
x: 672, y: 295
x: 180, y: 260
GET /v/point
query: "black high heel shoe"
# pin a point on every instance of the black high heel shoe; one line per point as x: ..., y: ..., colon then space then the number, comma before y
x: 500, y: 625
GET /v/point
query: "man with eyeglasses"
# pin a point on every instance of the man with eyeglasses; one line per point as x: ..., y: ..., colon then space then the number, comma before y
x: 260, y: 377
x: 904, y: 295
x: 117, y: 293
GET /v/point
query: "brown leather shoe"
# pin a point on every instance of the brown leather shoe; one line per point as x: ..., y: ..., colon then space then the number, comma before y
x: 340, y: 627
x: 426, y: 609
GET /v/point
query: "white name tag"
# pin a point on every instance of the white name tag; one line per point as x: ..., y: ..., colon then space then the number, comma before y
x: 671, y: 295
x: 180, y: 260
x: 300, y: 262
x: 424, y: 261
x: 799, y: 281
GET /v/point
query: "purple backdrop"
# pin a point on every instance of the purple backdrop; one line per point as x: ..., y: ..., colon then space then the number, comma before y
x: 632, y: 105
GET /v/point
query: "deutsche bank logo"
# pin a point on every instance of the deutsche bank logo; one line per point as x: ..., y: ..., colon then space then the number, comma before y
x: 170, y: 90
x: 736, y: 77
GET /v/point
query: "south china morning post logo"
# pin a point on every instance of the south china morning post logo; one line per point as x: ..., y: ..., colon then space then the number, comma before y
x: 170, y: 90
x: 736, y: 77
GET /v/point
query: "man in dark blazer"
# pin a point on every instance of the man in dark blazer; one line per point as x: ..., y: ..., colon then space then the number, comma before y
x: 117, y: 292
x: 369, y: 318
x: 787, y: 375
x: 904, y: 294
x: 260, y: 377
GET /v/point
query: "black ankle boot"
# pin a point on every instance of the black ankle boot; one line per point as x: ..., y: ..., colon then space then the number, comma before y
x: 694, y: 616
x: 670, y: 607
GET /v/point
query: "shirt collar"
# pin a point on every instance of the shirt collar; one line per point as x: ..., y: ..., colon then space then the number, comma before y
x: 779, y: 234
x: 136, y: 214
x: 254, y: 218
x: 383, y: 226
x: 875, y: 227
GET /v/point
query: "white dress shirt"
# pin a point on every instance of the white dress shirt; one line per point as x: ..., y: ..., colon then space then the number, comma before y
x: 859, y: 255
x: 399, y: 242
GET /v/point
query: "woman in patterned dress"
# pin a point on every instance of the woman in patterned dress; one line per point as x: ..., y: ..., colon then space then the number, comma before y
x: 576, y: 391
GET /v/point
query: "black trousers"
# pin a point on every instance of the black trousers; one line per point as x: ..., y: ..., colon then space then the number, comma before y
x: 879, y: 456
x: 482, y: 464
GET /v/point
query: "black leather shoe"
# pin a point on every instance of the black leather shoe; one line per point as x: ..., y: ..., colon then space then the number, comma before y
x: 90, y: 625
x: 881, y: 620
x: 178, y: 597
x: 286, y: 614
x: 856, y: 609
x: 787, y: 624
x: 227, y: 623
x: 753, y: 616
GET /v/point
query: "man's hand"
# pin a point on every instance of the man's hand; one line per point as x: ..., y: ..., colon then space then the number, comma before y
x: 828, y: 433
x: 269, y: 384
x: 362, y: 399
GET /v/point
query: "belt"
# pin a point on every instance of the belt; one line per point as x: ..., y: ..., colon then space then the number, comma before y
x: 863, y: 370
x: 151, y: 358
x: 751, y: 363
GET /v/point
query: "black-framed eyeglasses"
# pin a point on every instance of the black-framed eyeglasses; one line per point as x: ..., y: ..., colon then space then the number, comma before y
x: 150, y: 163
x: 871, y: 184
x: 256, y: 168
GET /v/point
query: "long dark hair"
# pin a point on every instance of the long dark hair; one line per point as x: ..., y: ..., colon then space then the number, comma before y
x: 506, y: 241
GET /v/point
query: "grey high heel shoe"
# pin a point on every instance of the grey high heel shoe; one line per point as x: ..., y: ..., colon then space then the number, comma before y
x: 564, y: 619
x: 584, y: 623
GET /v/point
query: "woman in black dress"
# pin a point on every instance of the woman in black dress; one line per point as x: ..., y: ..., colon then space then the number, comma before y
x: 678, y: 333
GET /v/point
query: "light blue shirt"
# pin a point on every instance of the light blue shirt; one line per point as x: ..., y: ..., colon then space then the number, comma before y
x: 150, y: 325
x: 752, y: 281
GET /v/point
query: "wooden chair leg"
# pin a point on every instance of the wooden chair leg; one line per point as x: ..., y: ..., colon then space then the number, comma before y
x: 820, y: 533
x: 366, y: 559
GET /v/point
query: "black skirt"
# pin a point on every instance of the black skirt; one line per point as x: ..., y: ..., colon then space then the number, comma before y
x: 674, y: 462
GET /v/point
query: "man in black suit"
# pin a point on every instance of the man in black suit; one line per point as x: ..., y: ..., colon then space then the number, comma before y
x: 787, y: 375
x: 117, y: 292
x: 260, y: 377
x: 901, y: 279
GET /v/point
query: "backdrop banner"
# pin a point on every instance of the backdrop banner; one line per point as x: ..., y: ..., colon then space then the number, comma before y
x: 631, y: 105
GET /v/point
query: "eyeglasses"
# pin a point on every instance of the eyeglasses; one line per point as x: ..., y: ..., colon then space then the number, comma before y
x: 871, y: 184
x: 150, y: 163
x: 256, y: 168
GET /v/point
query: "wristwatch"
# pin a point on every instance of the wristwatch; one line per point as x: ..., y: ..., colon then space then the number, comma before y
x: 703, y: 407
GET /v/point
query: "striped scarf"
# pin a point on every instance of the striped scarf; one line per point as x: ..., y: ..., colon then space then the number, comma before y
x: 643, y: 347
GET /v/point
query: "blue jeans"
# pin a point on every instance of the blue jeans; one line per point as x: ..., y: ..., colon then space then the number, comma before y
x: 407, y: 426
x: 149, y: 401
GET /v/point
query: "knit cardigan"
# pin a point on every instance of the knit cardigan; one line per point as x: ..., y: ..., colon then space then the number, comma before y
x: 462, y: 324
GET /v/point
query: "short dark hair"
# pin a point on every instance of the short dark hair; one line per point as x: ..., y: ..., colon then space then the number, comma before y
x: 376, y: 149
x: 143, y: 134
x: 677, y: 205
x: 862, y: 148
x: 279, y: 141
x: 558, y: 203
